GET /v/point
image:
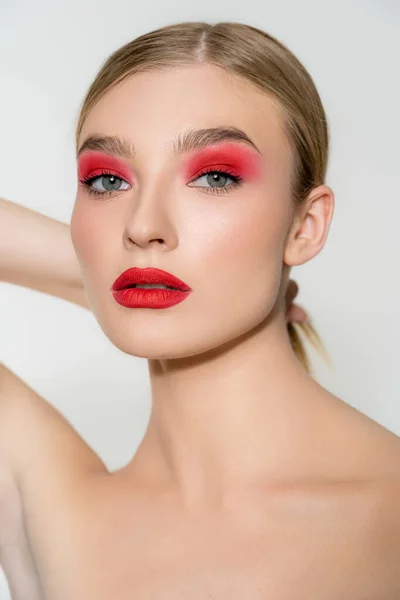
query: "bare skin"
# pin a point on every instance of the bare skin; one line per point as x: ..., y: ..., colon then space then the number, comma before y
x: 71, y: 529
x: 252, y: 481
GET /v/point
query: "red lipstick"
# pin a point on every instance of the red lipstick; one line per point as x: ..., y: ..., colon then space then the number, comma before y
x: 139, y: 297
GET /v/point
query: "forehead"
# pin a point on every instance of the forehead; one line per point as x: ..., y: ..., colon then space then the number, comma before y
x: 151, y: 108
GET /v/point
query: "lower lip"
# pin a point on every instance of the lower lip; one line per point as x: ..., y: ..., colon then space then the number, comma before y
x: 147, y: 298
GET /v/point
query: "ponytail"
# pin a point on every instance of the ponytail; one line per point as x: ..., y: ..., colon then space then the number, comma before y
x: 297, y: 344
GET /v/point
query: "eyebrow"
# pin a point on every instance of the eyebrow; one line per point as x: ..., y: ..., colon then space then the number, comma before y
x: 193, y: 139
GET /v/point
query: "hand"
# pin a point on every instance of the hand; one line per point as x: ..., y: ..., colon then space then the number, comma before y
x: 294, y: 312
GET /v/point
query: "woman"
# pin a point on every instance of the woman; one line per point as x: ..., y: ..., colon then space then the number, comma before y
x: 202, y: 152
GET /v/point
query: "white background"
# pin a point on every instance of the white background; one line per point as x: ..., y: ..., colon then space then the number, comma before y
x: 49, y: 54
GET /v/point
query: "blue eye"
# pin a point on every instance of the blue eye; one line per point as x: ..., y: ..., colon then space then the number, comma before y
x: 219, y: 178
x: 113, y: 180
x: 214, y: 176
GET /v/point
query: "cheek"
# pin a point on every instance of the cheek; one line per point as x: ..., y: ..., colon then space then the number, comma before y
x: 241, y: 258
x: 247, y: 235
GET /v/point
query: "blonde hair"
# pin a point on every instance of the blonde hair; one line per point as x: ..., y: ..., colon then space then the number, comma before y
x: 261, y: 59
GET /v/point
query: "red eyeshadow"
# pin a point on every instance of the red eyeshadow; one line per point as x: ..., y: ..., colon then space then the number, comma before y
x: 96, y: 161
x: 241, y: 160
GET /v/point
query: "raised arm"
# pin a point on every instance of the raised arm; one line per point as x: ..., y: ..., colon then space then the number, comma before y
x: 36, y: 252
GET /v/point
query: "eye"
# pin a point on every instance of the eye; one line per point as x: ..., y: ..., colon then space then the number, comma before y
x: 216, y: 179
x: 111, y: 183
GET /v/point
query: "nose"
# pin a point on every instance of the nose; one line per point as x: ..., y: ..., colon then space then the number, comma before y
x: 150, y: 221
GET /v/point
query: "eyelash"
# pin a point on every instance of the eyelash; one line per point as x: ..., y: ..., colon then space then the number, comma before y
x: 237, y: 180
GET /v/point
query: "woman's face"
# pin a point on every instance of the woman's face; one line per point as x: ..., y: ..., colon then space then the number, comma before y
x: 223, y: 235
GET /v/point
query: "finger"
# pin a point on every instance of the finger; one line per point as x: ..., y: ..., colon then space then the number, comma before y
x: 296, y: 314
x: 291, y: 292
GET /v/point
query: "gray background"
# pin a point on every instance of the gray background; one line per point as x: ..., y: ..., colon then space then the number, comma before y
x: 50, y: 52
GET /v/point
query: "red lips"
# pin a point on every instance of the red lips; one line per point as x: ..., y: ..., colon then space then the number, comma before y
x: 149, y: 276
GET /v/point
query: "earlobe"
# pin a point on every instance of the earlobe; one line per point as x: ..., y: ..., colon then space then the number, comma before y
x: 310, y: 228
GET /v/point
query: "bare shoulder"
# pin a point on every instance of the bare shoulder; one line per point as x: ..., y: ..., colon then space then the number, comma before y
x: 361, y: 446
x: 35, y: 437
x: 369, y: 454
x: 383, y: 540
x: 382, y: 447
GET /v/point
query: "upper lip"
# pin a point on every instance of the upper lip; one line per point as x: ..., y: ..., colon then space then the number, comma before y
x: 148, y: 275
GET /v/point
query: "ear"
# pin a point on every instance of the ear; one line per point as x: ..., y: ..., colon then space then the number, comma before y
x: 310, y: 226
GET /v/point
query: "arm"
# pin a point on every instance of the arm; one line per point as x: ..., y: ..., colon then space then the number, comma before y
x: 37, y: 252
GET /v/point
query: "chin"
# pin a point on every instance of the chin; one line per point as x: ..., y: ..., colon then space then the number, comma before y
x: 160, y: 343
x: 162, y: 335
x: 156, y: 347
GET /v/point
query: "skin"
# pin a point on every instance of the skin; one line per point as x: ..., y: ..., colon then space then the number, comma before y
x: 251, y: 478
x: 223, y: 374
x: 221, y: 359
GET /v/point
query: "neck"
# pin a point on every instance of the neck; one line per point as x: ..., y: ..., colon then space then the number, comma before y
x: 238, y: 415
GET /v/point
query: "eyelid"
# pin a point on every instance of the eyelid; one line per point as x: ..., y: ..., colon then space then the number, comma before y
x: 89, y: 178
x: 237, y: 157
x: 93, y: 162
x: 215, y: 169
